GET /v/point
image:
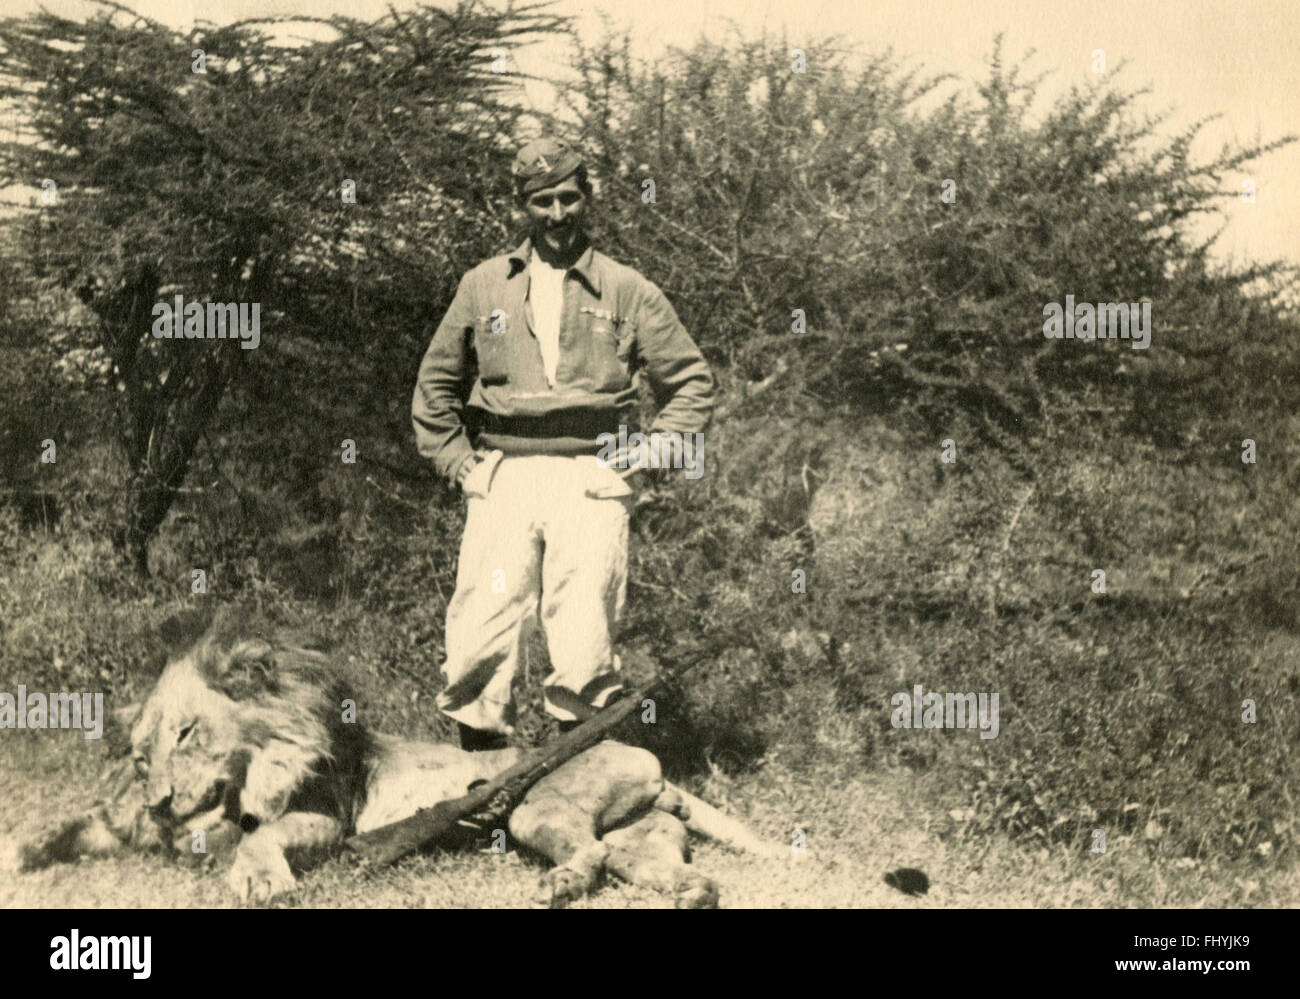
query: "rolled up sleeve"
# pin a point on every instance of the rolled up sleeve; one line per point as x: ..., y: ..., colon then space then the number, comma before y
x: 442, y: 386
x: 680, y: 378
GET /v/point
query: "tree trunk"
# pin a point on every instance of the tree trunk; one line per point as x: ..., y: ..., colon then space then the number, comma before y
x: 165, y: 400
x: 159, y: 471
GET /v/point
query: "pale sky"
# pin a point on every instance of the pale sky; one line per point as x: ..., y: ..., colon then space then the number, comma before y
x: 1237, y: 58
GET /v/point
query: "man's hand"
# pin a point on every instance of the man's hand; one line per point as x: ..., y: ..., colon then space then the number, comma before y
x: 643, y: 480
x: 472, y: 461
x: 475, y: 473
x: 639, y: 479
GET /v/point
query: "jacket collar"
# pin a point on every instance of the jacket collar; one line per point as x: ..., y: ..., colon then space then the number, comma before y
x: 584, y: 266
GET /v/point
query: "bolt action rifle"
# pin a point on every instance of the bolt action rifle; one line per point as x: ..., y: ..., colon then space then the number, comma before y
x: 490, y: 803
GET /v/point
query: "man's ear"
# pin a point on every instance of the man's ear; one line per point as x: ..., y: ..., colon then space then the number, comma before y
x: 249, y: 669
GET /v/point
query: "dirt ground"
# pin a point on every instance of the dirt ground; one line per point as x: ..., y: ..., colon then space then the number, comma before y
x: 856, y: 830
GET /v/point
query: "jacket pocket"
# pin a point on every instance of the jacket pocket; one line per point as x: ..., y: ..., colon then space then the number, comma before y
x: 608, y: 483
x: 492, y: 348
x: 610, y: 339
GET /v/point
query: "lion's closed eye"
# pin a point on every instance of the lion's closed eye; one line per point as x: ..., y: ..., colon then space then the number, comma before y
x: 185, y: 732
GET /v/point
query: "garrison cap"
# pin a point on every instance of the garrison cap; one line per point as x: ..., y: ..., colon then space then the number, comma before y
x: 542, y: 163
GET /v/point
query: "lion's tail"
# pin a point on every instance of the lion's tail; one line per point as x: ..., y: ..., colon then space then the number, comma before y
x: 713, y: 823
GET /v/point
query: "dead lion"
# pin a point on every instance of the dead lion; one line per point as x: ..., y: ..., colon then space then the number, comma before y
x: 243, y: 738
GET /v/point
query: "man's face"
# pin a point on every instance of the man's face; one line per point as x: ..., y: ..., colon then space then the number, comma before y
x: 557, y: 214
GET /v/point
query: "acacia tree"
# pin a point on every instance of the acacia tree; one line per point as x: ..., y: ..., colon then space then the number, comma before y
x: 891, y: 206
x: 793, y: 206
x: 211, y: 163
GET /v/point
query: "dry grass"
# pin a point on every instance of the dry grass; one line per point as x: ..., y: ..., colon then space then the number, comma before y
x: 76, y: 624
x: 858, y: 826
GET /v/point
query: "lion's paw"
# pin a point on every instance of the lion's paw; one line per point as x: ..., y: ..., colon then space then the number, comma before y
x: 260, y: 875
x: 671, y: 801
x: 563, y: 886
x: 695, y: 891
x: 577, y: 876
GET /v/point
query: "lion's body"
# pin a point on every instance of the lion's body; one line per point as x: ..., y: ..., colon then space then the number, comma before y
x: 245, y: 740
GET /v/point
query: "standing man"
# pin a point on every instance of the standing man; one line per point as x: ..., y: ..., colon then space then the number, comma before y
x: 531, y: 365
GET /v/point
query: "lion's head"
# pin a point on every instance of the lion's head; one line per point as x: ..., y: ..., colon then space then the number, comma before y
x: 243, y: 725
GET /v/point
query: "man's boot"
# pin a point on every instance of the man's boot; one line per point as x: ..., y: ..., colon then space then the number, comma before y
x: 568, y: 726
x: 476, y: 740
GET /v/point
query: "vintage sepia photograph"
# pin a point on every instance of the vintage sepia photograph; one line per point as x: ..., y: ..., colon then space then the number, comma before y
x: 621, y: 455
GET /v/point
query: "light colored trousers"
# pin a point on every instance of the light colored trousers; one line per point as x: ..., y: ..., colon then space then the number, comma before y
x: 545, y: 541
